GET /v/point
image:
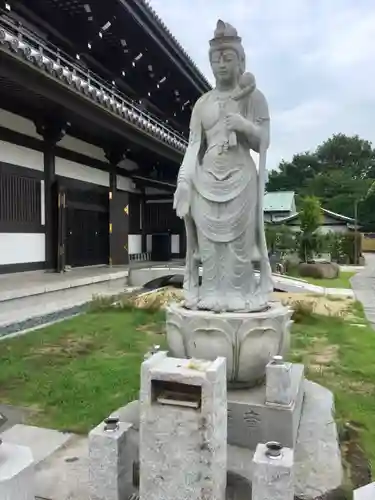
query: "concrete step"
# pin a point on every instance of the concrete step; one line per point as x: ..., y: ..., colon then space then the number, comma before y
x: 31, y: 301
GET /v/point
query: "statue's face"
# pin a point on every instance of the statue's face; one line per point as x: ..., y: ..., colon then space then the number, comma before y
x: 225, y: 65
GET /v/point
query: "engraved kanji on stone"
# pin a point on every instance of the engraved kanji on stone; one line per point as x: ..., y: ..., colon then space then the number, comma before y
x: 252, y: 418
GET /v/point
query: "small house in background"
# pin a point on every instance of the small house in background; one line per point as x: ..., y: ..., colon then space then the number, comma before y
x: 279, y: 205
x: 332, y: 222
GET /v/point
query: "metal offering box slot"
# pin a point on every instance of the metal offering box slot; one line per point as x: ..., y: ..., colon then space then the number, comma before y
x: 176, y: 394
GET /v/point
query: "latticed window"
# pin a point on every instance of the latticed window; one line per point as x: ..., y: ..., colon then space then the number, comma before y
x: 20, y: 202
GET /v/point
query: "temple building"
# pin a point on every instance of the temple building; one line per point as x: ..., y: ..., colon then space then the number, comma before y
x: 95, y: 103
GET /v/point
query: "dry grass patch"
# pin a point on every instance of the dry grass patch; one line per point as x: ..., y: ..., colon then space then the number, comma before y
x: 159, y: 298
x: 152, y: 329
x: 318, y: 304
x: 68, y: 347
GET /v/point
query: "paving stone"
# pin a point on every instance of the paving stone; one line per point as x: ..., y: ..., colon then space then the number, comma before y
x: 317, y: 454
x: 363, y: 284
x: 42, y: 442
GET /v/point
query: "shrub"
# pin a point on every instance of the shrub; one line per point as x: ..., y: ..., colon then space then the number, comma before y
x: 350, y: 246
x: 310, y: 217
x: 280, y: 238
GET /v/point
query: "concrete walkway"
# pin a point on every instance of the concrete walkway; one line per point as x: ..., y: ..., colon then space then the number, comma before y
x: 363, y: 285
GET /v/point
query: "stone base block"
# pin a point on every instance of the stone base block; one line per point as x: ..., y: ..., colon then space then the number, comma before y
x: 16, y: 473
x: 110, y: 462
x: 247, y: 340
x: 251, y: 420
x: 318, y: 469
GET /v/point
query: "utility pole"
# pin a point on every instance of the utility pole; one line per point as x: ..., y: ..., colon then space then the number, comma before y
x: 356, y: 232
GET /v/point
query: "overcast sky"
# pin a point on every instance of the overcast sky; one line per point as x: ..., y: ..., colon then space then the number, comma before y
x: 313, y: 59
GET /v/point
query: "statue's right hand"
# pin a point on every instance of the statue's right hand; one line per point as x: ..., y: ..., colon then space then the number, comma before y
x: 181, y: 202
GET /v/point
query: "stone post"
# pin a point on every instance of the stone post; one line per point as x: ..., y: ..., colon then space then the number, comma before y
x: 279, y: 382
x: 16, y: 472
x: 183, y: 429
x: 273, y: 472
x: 109, y: 461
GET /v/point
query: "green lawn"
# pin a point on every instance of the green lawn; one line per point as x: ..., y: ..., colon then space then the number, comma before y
x: 339, y: 354
x: 75, y: 373
x: 343, y: 281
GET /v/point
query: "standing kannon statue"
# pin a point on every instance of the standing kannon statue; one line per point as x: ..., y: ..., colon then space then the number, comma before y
x: 220, y: 192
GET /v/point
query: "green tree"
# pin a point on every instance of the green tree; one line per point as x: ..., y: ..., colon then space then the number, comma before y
x: 293, y: 175
x: 310, y: 218
x: 354, y: 155
x: 339, y: 173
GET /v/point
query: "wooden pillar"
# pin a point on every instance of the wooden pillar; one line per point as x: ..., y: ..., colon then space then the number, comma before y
x: 52, y: 131
x: 118, y: 213
x: 143, y: 221
x: 112, y: 196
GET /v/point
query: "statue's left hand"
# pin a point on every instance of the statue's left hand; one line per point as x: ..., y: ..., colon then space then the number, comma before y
x: 235, y: 122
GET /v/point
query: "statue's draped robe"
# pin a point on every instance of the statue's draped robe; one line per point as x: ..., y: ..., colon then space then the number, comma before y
x: 224, y: 191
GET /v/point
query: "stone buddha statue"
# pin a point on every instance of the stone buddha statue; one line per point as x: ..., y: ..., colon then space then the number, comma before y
x: 220, y: 191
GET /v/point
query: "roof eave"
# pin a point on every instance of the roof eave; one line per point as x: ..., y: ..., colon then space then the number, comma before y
x: 162, y: 30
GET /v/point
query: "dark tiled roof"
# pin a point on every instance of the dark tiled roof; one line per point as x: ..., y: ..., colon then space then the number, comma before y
x: 174, y: 40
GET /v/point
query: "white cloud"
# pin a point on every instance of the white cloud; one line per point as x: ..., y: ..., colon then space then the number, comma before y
x: 314, y: 60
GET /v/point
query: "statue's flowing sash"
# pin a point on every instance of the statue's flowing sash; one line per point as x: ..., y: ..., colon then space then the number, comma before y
x: 265, y: 279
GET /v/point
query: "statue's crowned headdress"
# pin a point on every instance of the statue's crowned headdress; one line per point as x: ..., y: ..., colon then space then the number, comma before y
x: 225, y: 34
x: 226, y: 37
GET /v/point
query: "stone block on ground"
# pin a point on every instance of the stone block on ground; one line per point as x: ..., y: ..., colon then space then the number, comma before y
x: 16, y: 473
x: 110, y: 462
x: 251, y: 420
x: 183, y: 429
x: 317, y: 454
x: 273, y: 473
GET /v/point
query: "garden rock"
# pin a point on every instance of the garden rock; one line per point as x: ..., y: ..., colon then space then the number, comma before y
x: 319, y: 270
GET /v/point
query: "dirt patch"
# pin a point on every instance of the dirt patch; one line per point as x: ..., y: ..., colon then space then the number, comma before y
x: 362, y: 388
x: 68, y: 347
x: 325, y: 355
x: 151, y: 329
x: 322, y: 356
x: 357, y: 466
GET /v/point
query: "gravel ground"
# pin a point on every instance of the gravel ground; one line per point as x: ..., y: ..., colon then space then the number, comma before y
x: 28, y: 324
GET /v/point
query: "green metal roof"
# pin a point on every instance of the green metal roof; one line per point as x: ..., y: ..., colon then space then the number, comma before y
x: 280, y: 201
